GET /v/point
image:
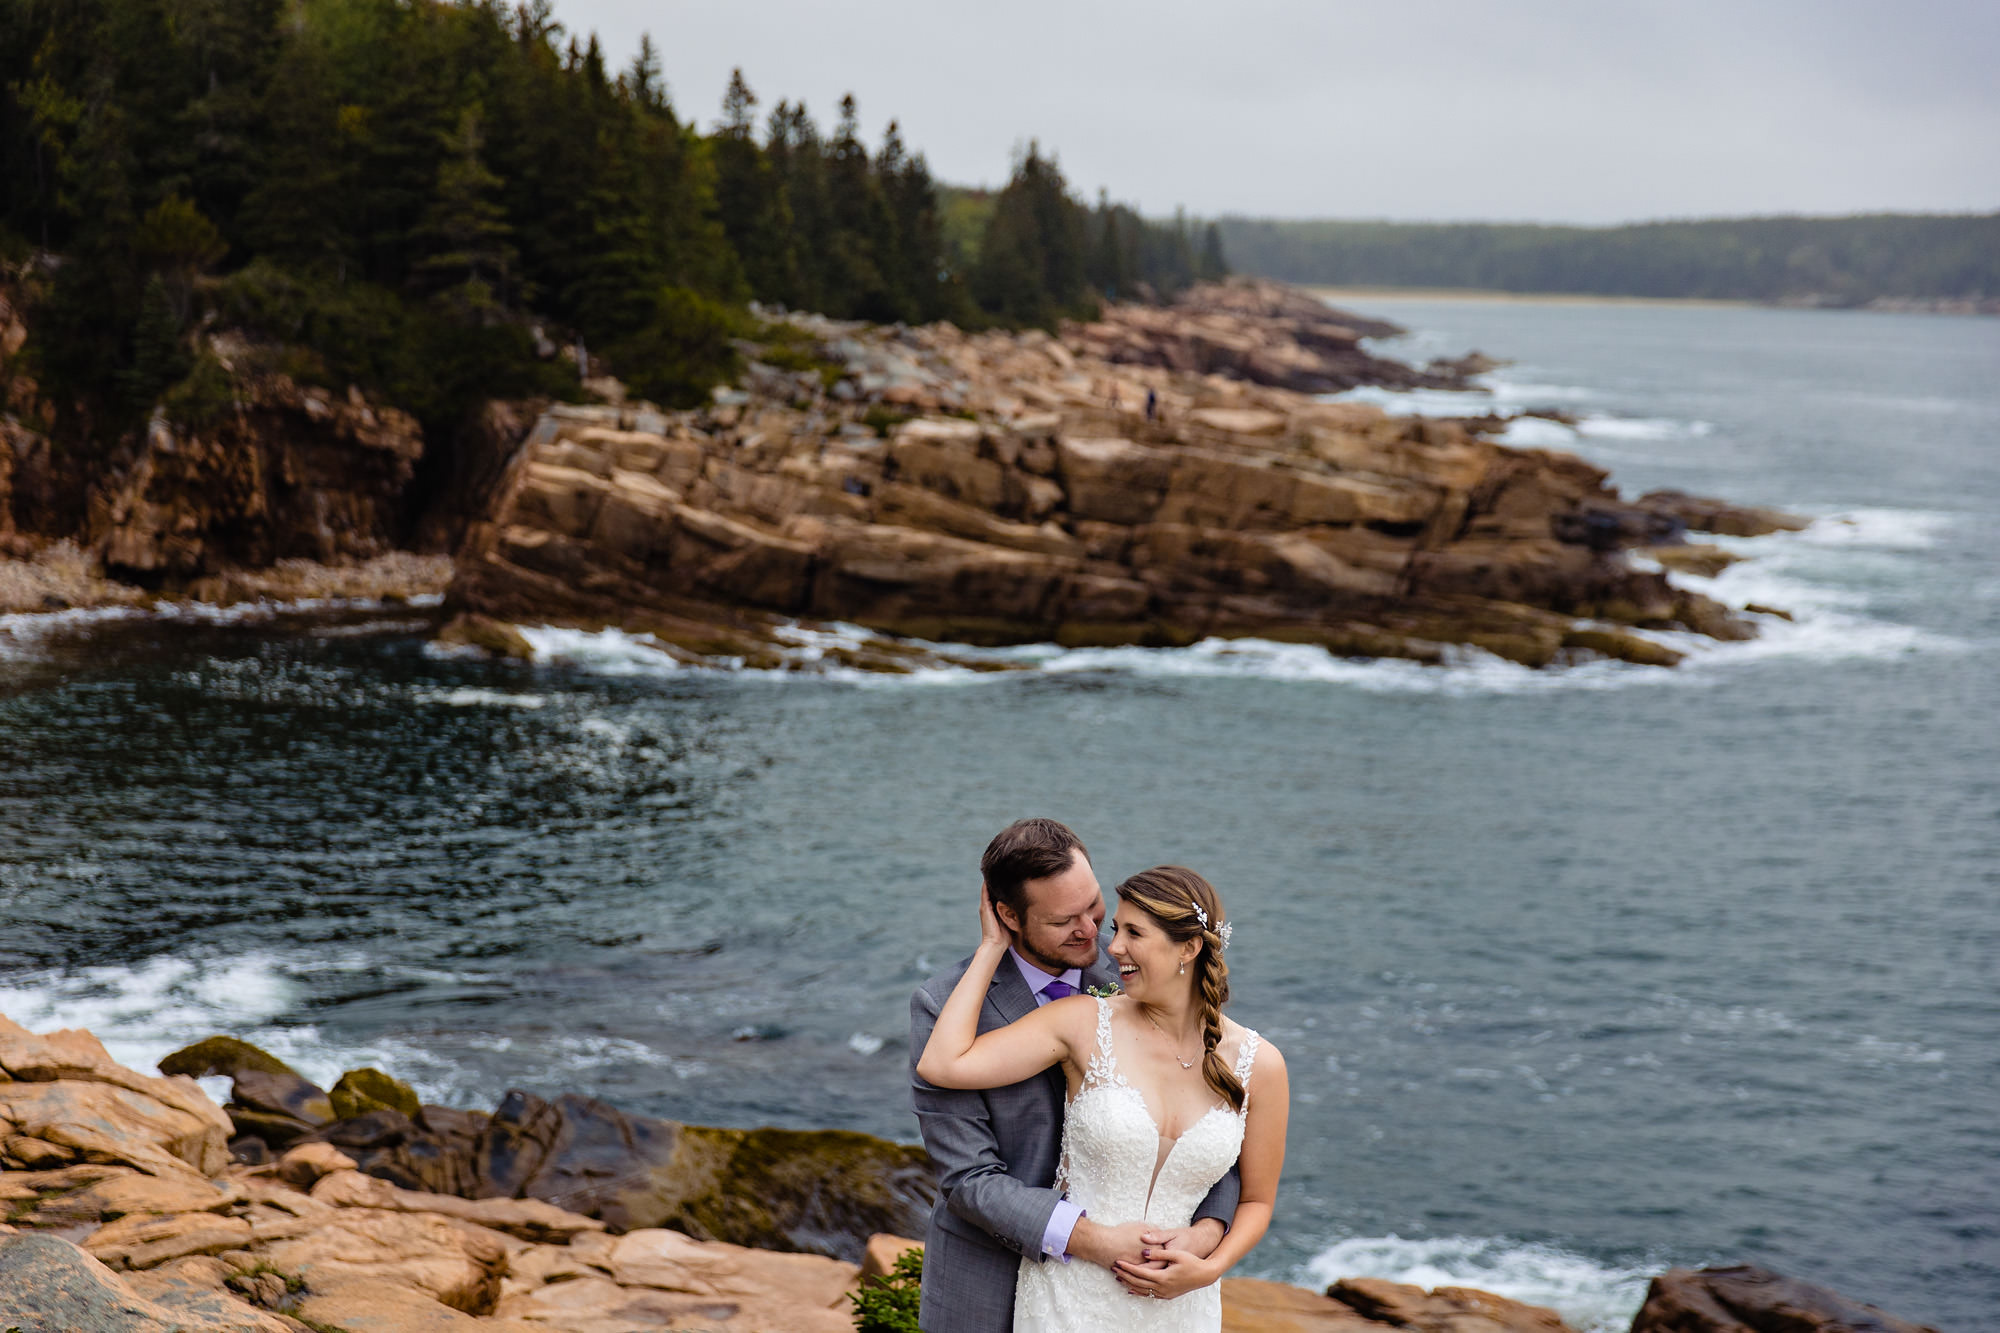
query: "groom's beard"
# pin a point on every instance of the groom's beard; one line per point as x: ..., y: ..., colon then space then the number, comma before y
x: 1055, y: 962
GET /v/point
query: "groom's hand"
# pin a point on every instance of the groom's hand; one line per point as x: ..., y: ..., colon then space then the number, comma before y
x: 1198, y: 1239
x: 1107, y: 1246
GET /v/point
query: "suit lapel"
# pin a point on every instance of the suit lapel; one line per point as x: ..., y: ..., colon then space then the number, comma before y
x: 1009, y: 994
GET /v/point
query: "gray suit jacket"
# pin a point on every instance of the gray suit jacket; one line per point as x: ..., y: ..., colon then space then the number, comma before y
x: 996, y: 1153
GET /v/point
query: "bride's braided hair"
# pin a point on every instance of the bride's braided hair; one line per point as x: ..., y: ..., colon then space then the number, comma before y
x: 1179, y: 899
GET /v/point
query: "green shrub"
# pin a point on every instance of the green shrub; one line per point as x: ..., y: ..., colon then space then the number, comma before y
x: 203, y: 397
x: 682, y: 352
x: 430, y: 358
x: 882, y: 419
x: 889, y: 1304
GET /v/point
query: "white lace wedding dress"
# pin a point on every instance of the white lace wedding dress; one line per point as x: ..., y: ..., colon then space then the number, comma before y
x: 1110, y: 1150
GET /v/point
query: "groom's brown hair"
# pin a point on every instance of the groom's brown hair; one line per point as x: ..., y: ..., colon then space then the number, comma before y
x: 1026, y: 849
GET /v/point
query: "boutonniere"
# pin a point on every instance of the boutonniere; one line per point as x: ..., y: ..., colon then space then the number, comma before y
x: 1103, y: 992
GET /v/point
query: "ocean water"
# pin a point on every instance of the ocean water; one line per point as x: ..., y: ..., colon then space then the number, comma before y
x: 1579, y: 974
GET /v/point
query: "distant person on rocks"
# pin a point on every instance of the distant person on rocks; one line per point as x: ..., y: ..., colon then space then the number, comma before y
x: 1152, y: 405
x: 1048, y: 1111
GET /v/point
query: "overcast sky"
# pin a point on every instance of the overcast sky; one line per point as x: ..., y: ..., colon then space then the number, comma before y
x: 1553, y: 110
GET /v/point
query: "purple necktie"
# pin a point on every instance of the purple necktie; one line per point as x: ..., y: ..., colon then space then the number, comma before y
x: 1058, y: 989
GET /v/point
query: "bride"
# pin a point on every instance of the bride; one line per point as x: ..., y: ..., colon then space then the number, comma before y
x: 1164, y: 1095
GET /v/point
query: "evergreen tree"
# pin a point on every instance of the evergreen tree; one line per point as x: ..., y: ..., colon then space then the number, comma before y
x: 391, y: 192
x: 159, y: 355
x: 750, y: 201
x: 1211, y: 265
x: 799, y: 159
x: 1031, y: 262
x: 861, y: 240
x: 925, y: 287
x: 643, y: 81
x: 178, y: 244
x: 465, y: 231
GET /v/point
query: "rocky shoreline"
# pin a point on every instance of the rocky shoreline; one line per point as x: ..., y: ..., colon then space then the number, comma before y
x: 135, y: 1204
x: 1156, y: 477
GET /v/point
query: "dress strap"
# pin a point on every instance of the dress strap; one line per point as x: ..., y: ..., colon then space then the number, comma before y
x: 1103, y: 1067
x: 1244, y: 1059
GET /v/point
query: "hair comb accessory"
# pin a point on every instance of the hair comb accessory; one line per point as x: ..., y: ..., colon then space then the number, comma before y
x: 1226, y: 929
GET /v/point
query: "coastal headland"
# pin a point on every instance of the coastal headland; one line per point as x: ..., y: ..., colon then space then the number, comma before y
x: 136, y: 1204
x: 1158, y: 476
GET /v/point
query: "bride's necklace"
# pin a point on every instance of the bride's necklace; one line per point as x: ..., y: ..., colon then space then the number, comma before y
x: 1184, y: 1064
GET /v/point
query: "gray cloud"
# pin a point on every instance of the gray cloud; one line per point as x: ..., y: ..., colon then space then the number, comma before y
x: 1557, y: 110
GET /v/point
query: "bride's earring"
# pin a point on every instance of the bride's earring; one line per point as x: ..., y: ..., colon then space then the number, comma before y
x: 1183, y: 969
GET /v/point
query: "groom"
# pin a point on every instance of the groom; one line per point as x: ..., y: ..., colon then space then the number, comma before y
x: 996, y: 1150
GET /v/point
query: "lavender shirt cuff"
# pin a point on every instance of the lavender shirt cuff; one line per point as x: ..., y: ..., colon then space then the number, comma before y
x: 1055, y: 1240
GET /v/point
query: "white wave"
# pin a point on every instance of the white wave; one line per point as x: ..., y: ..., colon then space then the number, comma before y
x: 1592, y: 1296
x: 240, y: 613
x: 369, y: 627
x: 1514, y: 393
x: 808, y: 653
x: 1812, y: 574
x: 1420, y: 402
x: 1822, y: 632
x: 611, y: 733
x: 609, y: 652
x: 1526, y: 432
x: 478, y: 698
x: 143, y: 1012
x: 811, y: 644
x: 1471, y: 671
x: 1537, y: 433
x: 1598, y: 426
x: 25, y: 631
x: 1542, y: 433
x: 28, y: 630
x: 1878, y: 529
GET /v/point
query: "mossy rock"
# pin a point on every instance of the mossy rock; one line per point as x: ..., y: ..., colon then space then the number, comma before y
x: 360, y: 1091
x: 816, y: 1191
x: 222, y: 1055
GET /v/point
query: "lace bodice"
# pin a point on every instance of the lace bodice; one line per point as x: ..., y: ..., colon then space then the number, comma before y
x: 1111, y: 1146
x: 1112, y: 1168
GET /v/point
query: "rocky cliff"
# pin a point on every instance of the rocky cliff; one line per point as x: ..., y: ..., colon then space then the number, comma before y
x: 269, y: 472
x: 1141, y: 480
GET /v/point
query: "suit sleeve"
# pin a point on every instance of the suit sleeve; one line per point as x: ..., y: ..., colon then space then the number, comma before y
x: 957, y: 1127
x: 1222, y: 1200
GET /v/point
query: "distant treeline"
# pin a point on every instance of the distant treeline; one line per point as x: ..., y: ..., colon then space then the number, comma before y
x: 1830, y: 261
x: 428, y: 197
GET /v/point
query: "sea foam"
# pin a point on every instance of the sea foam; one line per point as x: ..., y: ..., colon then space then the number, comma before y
x: 147, y: 1010
x: 610, y: 652
x: 144, y: 1011
x: 1592, y: 1296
